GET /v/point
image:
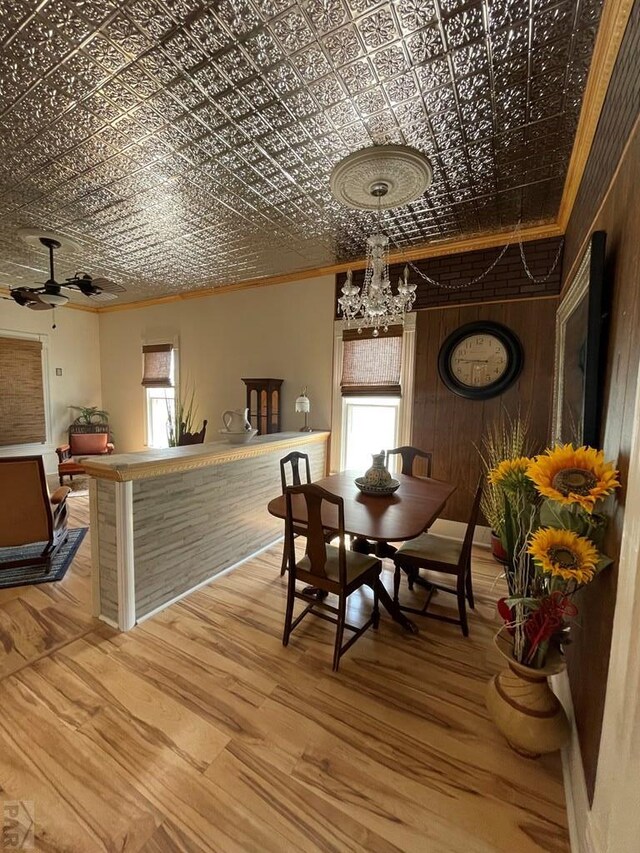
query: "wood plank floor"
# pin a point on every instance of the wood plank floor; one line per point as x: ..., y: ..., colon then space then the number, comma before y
x: 198, y: 731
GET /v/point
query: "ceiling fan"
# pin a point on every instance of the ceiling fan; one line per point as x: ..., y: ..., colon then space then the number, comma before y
x: 49, y: 295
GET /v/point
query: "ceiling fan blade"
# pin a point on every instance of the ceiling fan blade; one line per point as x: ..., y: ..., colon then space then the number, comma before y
x: 28, y: 298
x: 40, y: 306
x: 108, y: 286
x: 94, y: 288
x: 102, y: 296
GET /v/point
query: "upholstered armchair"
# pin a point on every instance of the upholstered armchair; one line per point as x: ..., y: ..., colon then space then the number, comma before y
x: 29, y: 514
x: 81, y: 445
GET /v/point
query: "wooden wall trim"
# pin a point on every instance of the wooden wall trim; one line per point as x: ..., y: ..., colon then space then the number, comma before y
x: 613, y: 23
x: 433, y: 250
x: 489, y: 302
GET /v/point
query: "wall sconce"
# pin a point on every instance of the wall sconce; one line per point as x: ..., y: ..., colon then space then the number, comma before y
x: 303, y: 404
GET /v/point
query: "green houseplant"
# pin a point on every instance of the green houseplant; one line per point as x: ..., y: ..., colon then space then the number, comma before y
x: 181, y: 417
x: 90, y: 415
x: 90, y: 419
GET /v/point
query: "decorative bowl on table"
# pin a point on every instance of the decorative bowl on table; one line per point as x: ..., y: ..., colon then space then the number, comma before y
x: 241, y: 437
x: 382, y: 491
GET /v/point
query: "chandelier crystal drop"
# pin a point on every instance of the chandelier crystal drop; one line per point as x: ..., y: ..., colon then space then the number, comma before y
x: 376, y: 306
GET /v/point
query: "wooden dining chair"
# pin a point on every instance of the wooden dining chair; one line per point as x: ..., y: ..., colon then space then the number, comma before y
x: 328, y: 568
x: 437, y: 554
x: 293, y: 459
x: 409, y: 455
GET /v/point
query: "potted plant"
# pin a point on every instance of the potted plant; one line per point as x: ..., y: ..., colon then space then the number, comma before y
x: 90, y: 419
x: 551, y: 533
x: 506, y: 438
x: 90, y: 415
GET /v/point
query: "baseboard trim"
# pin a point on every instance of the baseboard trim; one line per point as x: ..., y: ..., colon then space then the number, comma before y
x: 579, y: 817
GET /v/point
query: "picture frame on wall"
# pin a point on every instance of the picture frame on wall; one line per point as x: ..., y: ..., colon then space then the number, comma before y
x: 580, y: 328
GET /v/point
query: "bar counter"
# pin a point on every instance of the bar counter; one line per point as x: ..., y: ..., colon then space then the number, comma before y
x: 164, y: 522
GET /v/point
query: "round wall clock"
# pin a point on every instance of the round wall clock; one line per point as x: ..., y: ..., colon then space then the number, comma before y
x: 480, y: 360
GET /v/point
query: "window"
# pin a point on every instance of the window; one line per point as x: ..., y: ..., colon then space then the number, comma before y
x: 159, y: 381
x: 370, y: 424
x: 160, y: 405
x: 373, y: 382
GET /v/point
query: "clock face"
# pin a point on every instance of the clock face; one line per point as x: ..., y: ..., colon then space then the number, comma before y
x: 480, y: 360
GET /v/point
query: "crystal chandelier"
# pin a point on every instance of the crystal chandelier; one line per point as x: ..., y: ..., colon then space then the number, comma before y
x: 376, y: 306
x: 380, y: 176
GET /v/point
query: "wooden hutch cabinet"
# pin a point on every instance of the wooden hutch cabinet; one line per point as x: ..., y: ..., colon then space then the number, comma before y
x: 263, y: 402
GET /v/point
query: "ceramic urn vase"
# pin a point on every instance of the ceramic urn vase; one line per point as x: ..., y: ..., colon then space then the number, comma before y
x: 377, y: 476
x: 523, y: 706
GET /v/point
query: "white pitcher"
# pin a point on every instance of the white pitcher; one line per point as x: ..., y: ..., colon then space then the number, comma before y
x: 236, y: 420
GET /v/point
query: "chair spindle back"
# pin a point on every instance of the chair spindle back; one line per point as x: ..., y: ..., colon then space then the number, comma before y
x: 316, y: 550
x: 294, y: 460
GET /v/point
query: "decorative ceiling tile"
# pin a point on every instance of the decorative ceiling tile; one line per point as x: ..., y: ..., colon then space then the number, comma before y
x: 185, y: 143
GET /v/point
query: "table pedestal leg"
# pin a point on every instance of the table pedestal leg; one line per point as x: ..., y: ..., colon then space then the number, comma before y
x: 394, y: 611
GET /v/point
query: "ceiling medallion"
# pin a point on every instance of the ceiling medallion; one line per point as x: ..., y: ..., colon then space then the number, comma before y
x: 383, y: 176
x: 404, y: 171
x: 35, y: 237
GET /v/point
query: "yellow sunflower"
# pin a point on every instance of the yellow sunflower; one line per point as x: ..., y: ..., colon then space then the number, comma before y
x: 573, y: 476
x: 510, y: 473
x: 563, y: 553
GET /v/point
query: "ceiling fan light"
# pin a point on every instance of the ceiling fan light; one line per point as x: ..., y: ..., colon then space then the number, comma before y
x: 54, y: 299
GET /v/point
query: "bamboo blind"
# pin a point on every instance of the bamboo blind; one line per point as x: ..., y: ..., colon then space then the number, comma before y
x: 22, y: 418
x: 157, y: 365
x: 371, y: 366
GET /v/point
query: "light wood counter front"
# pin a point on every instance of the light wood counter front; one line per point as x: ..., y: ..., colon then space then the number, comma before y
x: 164, y: 522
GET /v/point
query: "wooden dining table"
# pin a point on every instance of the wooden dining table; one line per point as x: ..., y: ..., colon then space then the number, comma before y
x: 407, y: 513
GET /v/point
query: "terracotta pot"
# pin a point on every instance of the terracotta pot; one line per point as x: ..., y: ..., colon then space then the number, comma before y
x: 523, y: 706
x: 497, y: 551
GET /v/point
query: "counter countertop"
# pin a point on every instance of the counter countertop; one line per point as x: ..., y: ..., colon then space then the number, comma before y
x: 145, y: 464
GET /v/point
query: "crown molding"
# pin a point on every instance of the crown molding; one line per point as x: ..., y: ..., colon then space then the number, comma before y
x: 613, y: 22
x: 432, y: 250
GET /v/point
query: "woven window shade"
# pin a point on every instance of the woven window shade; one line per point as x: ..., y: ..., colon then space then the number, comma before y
x: 22, y: 418
x: 157, y: 365
x: 371, y: 366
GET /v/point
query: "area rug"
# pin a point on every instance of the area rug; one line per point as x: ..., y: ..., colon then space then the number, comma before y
x: 79, y: 487
x: 36, y: 574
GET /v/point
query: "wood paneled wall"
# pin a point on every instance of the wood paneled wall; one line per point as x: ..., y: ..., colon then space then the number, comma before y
x: 588, y: 655
x: 451, y: 426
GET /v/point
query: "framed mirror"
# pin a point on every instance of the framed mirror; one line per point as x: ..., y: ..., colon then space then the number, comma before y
x: 580, y: 327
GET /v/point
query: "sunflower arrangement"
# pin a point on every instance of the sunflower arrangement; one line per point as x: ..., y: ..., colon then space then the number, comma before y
x: 552, y: 534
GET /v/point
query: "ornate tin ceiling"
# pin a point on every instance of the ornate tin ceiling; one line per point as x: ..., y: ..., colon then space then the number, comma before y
x: 185, y: 144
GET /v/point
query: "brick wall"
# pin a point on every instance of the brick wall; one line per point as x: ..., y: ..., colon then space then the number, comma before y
x: 507, y: 280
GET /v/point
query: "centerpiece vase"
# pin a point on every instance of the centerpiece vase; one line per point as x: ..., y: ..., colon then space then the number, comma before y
x: 377, y: 476
x: 523, y: 706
